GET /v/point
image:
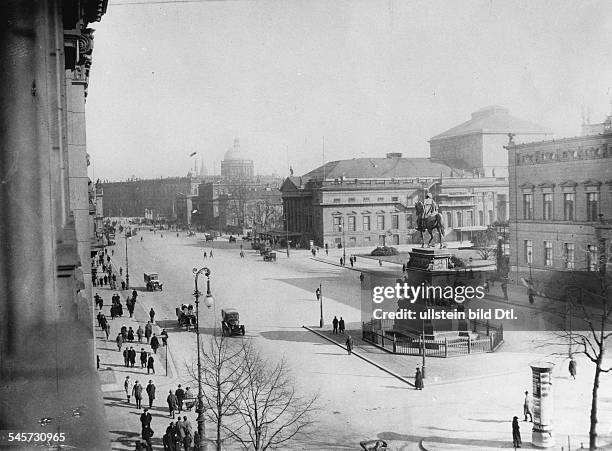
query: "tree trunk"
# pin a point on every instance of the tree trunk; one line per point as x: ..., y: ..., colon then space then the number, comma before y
x: 593, y: 430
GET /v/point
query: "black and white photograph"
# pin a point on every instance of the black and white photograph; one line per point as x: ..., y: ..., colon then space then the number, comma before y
x: 305, y: 225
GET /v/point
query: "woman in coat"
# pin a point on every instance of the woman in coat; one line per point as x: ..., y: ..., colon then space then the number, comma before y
x: 516, y: 433
x: 418, y: 379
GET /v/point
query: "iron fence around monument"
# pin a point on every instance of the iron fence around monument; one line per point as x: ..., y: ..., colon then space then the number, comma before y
x: 485, y: 337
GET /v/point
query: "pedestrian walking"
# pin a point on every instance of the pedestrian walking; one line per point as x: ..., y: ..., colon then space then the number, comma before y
x: 180, y: 432
x: 148, y: 331
x: 352, y: 262
x: 130, y: 334
x: 154, y: 343
x: 335, y: 324
x: 205, y: 254
x: 418, y: 379
x: 128, y: 385
x: 318, y: 293
x: 145, y: 419
x: 137, y: 393
x: 152, y: 315
x: 172, y: 403
x: 341, y: 325
x: 504, y: 287
x: 167, y: 438
x: 516, y: 433
x: 151, y: 393
x: 180, y: 395
x: 143, y: 358
x: 341, y: 261
x: 126, y: 357
x: 527, y: 407
x: 146, y: 436
x: 379, y: 262
x: 572, y: 367
x: 403, y: 267
x: 164, y: 336
x: 123, y: 285
x: 187, y: 441
x: 211, y: 254
x: 132, y: 356
x: 106, y: 329
x: 119, y: 341
x: 361, y: 277
x: 349, y: 344
x: 140, y: 333
x: 150, y: 364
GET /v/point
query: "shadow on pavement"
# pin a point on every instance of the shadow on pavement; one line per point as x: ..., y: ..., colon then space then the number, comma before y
x: 486, y: 420
x: 331, y: 289
x: 129, y: 439
x: 291, y: 335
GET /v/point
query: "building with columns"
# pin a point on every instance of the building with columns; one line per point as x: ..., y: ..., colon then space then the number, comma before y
x: 48, y: 213
x: 370, y: 201
x: 560, y: 208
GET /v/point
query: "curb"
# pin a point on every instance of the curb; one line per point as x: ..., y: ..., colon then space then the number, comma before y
x: 371, y: 362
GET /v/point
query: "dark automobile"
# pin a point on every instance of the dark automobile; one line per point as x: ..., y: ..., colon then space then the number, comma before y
x: 230, y: 323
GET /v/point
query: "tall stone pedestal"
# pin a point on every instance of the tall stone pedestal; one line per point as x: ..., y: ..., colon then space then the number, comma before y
x: 430, y: 259
x: 541, y: 435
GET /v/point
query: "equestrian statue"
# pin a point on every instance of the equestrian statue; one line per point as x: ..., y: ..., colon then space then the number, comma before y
x: 428, y: 218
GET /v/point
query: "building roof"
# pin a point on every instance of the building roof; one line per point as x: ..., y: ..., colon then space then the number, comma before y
x: 378, y: 168
x: 235, y: 153
x: 493, y: 119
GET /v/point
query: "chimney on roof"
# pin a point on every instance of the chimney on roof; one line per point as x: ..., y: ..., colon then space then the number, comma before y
x: 394, y: 155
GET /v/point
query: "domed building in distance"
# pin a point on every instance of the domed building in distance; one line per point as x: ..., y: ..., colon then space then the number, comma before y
x: 236, y: 165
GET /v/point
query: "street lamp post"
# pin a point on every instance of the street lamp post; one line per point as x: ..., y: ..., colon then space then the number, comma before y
x: 209, y: 302
x: 127, y: 267
x: 343, y: 243
x: 287, y: 233
x: 424, y: 347
x: 321, y: 304
x: 530, y: 289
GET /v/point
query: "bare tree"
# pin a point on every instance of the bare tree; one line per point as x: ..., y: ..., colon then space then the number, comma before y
x: 484, y: 243
x: 223, y: 377
x: 271, y: 410
x: 594, y: 330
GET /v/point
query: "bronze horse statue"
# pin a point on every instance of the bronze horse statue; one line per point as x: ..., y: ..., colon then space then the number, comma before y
x: 429, y: 223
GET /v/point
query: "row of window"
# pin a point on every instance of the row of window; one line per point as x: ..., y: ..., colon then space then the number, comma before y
x: 568, y: 257
x: 366, y: 223
x: 351, y: 200
x: 569, y: 206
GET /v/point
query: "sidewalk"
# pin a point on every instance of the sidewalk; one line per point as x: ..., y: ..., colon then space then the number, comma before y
x: 123, y: 419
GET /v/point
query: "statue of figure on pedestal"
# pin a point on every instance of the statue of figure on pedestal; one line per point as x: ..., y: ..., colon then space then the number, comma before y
x: 428, y: 218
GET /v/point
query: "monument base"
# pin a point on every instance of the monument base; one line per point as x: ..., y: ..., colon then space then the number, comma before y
x: 542, y: 438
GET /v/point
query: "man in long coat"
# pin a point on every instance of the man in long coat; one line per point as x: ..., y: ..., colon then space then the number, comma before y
x: 172, y: 403
x: 145, y: 419
x: 151, y: 393
x: 137, y: 392
x: 148, y: 330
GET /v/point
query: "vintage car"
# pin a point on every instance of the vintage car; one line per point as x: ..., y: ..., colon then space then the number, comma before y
x: 152, y: 281
x: 230, y: 322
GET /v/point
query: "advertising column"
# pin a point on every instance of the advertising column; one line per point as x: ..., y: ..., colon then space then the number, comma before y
x: 541, y: 435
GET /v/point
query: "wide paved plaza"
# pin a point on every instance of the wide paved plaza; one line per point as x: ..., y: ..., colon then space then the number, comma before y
x: 468, y: 402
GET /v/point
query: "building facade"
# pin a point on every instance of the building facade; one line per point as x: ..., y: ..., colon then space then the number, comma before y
x: 560, y: 200
x: 477, y: 145
x: 157, y: 196
x: 48, y: 217
x: 370, y: 201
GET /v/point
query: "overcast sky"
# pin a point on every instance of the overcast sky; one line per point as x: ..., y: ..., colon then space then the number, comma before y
x: 365, y: 77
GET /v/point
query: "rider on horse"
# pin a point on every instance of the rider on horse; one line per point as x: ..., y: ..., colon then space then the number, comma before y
x: 430, y: 209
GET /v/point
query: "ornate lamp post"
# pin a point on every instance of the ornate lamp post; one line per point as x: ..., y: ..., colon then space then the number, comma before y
x: 209, y: 301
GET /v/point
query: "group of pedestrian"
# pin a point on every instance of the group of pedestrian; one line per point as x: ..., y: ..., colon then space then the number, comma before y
x: 180, y: 434
x: 135, y: 389
x: 338, y: 325
x: 116, y: 309
x: 103, y: 323
x: 206, y: 254
x: 176, y: 399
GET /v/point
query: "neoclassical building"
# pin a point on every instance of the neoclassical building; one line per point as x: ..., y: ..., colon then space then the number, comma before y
x: 560, y: 205
x: 236, y: 165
